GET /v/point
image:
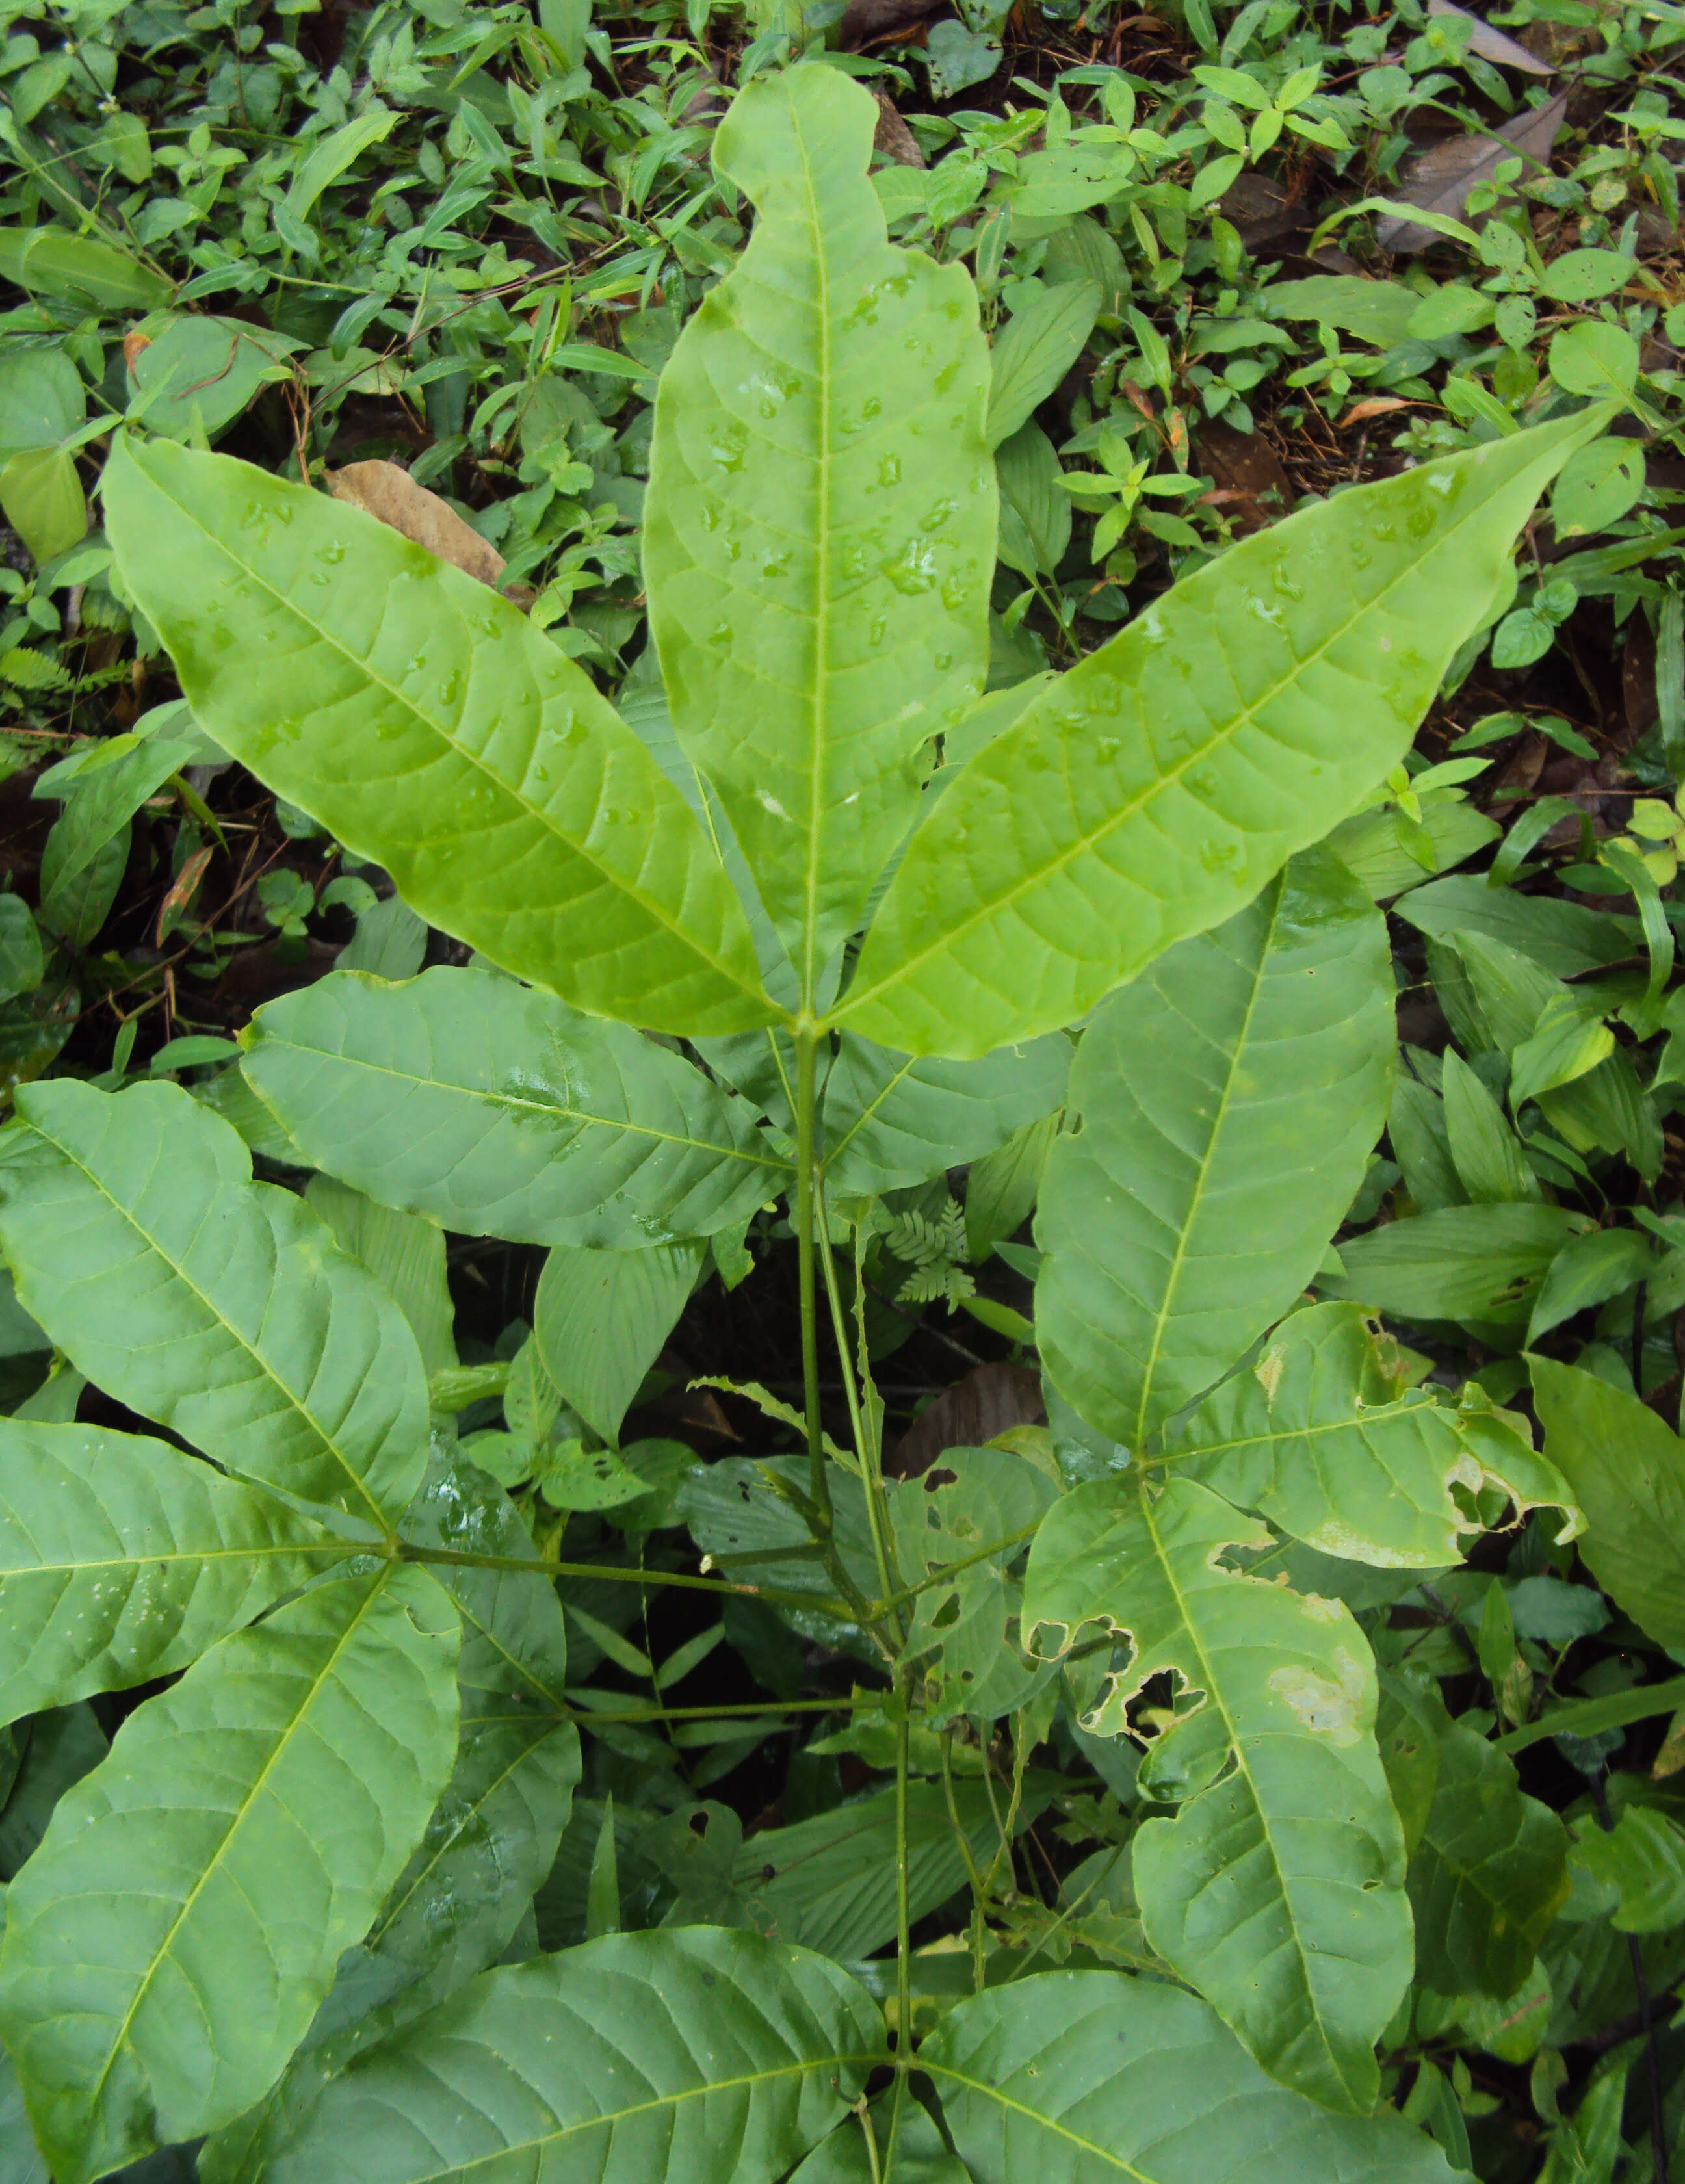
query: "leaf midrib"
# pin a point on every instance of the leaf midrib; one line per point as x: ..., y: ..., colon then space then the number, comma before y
x: 1161, y: 1318
x: 397, y: 1904
x: 577, y: 848
x: 237, y: 1819
x: 608, y: 2119
x: 901, y: 971
x: 537, y: 1109
x: 337, y: 1550
x: 1042, y: 2121
x: 266, y: 1369
x: 821, y: 619
x: 1213, y: 1687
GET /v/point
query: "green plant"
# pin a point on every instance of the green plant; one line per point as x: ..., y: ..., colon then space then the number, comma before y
x: 274, y: 1860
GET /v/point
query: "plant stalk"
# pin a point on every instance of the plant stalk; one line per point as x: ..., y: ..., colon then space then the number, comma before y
x: 806, y: 1066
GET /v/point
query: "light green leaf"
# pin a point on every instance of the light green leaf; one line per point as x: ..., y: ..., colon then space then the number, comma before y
x: 102, y: 797
x: 832, y: 1882
x: 428, y: 726
x: 41, y: 494
x: 493, y: 1835
x: 1462, y: 1263
x: 1278, y: 1889
x: 1103, y: 2078
x: 122, y: 1559
x: 1001, y: 1188
x: 166, y: 1947
x: 601, y: 1318
x: 1490, y: 1872
x: 78, y: 269
x: 1316, y: 1437
x: 1564, y: 938
x: 499, y: 1111
x: 1035, y: 512
x: 219, y: 1307
x: 962, y: 1629
x: 1589, y: 1270
x: 1627, y: 1471
x: 1641, y: 1862
x: 1570, y: 1041
x: 328, y: 157
x: 405, y: 1256
x: 199, y: 372
x: 1198, y: 1198
x: 1036, y: 348
x: 1606, y: 1108
x: 1368, y: 845
x: 814, y: 539
x: 43, y: 399
x: 891, y: 1121
x: 1154, y: 789
x: 1376, y: 311
x: 390, y: 941
x: 697, y: 2054
x: 21, y: 965
x: 1488, y: 1161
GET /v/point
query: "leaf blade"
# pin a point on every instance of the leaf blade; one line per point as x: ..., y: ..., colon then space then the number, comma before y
x: 498, y: 1110
x: 1090, y: 2077
x: 92, y: 2000
x: 216, y: 1306
x: 1124, y: 808
x: 596, y: 2059
x: 1278, y: 1891
x: 121, y: 1559
x: 1199, y: 1196
x: 865, y: 540
x: 430, y: 728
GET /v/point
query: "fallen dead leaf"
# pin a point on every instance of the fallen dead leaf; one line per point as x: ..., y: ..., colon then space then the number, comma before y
x: 1638, y: 678
x: 392, y: 497
x: 1492, y: 45
x: 1442, y: 178
x: 865, y: 21
x: 1247, y: 471
x: 988, y: 1400
x: 1261, y: 210
x: 1377, y: 405
x: 892, y: 134
x: 183, y: 889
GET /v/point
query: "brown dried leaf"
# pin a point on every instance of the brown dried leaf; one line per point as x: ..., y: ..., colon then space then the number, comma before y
x: 183, y: 889
x: 392, y: 497
x: 1261, y: 210
x: 1377, y: 405
x: 1441, y: 179
x: 987, y: 1402
x: 1247, y: 471
x: 892, y: 134
x: 1492, y: 45
x: 864, y: 22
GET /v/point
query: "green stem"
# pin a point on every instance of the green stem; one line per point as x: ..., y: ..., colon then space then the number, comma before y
x: 806, y: 1064
x: 452, y: 1558
x: 865, y: 1443
x: 903, y: 1936
x: 587, y: 1715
